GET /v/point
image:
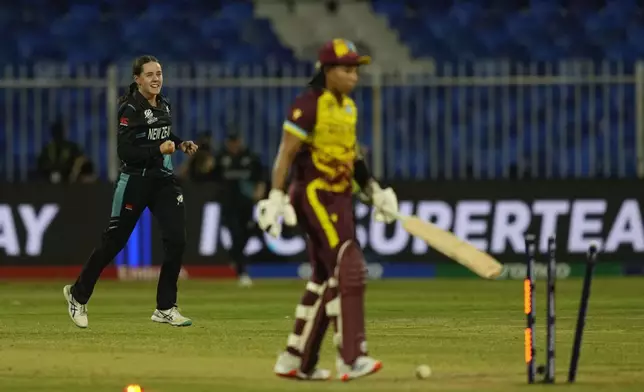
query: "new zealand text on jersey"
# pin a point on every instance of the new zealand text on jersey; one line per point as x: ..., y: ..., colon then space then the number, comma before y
x: 159, y: 133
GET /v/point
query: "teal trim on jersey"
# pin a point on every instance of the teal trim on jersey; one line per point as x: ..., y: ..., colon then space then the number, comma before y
x: 117, y: 201
x: 247, y: 188
x: 167, y: 163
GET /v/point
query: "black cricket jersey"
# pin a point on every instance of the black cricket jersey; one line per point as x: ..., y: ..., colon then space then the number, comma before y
x: 142, y: 129
x: 239, y: 173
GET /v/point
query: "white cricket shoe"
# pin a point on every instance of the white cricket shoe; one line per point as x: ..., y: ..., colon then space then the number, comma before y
x: 172, y: 317
x: 245, y: 281
x: 363, y: 366
x: 77, y: 311
x: 288, y: 365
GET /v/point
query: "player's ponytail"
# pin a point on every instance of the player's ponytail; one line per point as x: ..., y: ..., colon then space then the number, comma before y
x: 319, y: 80
x: 130, y: 90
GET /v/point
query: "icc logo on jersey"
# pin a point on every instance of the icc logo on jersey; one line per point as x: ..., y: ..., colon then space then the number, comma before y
x: 148, y: 116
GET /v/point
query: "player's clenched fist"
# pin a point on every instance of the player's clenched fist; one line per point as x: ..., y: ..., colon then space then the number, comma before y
x: 270, y: 211
x: 167, y: 147
x: 189, y: 147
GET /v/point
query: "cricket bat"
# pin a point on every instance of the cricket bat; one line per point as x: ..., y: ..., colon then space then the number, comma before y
x: 451, y: 246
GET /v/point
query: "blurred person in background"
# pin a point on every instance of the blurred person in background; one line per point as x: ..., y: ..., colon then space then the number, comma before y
x: 61, y: 160
x: 86, y: 174
x: 200, y: 166
x: 240, y: 172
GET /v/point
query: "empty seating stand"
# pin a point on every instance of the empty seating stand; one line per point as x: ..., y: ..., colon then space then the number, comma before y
x: 79, y: 33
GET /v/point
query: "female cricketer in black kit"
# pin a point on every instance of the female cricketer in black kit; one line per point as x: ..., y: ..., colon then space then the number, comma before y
x: 146, y: 180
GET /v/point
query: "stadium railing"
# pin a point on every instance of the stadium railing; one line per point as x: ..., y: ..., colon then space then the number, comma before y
x: 479, y: 120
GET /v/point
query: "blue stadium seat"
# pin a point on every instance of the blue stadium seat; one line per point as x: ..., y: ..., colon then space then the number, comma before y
x: 538, y: 32
x: 391, y: 8
x: 237, y: 11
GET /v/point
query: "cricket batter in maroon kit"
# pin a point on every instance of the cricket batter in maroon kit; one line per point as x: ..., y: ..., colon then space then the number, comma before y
x: 319, y: 145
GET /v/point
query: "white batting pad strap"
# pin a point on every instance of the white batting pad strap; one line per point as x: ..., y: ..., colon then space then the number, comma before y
x: 315, y: 288
x: 308, y: 324
x: 303, y: 312
x: 333, y: 282
x: 333, y: 307
x: 337, y: 339
x: 293, y: 341
x: 343, y: 247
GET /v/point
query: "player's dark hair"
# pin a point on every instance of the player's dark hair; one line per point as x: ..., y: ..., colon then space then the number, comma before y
x: 319, y: 80
x: 137, y: 68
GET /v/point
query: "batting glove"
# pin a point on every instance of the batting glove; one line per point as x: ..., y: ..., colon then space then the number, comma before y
x: 272, y: 210
x: 385, y: 203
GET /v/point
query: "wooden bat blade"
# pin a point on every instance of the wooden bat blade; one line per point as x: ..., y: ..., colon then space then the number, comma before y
x: 453, y: 247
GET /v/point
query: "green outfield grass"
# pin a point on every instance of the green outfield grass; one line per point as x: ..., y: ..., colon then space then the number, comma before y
x: 469, y: 331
